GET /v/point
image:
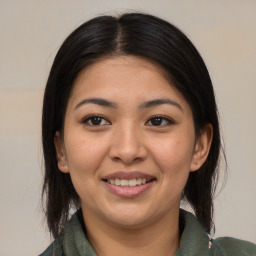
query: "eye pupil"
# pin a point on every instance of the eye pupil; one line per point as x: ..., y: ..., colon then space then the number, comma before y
x: 96, y: 120
x: 156, y: 121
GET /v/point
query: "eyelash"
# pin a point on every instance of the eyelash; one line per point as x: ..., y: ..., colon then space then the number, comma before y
x: 89, y: 119
x: 159, y: 117
x: 162, y: 118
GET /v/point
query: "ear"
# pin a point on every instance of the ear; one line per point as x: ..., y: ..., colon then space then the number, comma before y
x: 202, y: 147
x: 60, y: 153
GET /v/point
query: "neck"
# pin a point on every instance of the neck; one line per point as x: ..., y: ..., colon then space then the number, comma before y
x: 160, y: 238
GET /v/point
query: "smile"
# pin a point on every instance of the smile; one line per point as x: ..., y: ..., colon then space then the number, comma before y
x: 127, y: 183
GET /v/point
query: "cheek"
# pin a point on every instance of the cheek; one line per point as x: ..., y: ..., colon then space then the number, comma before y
x: 174, y: 153
x: 84, y: 155
x: 173, y: 158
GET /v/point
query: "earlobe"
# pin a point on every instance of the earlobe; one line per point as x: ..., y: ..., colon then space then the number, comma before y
x: 60, y: 153
x: 202, y: 147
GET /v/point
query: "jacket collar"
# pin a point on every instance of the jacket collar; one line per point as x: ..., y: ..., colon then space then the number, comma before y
x: 194, y: 240
x: 74, y: 240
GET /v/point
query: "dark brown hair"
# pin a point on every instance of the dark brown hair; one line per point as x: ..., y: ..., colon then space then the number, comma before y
x: 139, y: 35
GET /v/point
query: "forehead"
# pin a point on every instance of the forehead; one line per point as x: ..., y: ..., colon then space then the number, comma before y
x: 124, y: 77
x: 119, y: 66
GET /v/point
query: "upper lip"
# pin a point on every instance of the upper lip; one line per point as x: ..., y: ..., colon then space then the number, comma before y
x: 128, y: 176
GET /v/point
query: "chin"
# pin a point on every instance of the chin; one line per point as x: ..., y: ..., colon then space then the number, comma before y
x: 132, y: 223
x: 129, y: 217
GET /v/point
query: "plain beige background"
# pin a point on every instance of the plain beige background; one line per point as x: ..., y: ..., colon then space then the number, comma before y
x: 30, y: 34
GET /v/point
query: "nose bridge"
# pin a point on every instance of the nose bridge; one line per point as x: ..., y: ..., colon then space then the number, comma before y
x: 127, y: 142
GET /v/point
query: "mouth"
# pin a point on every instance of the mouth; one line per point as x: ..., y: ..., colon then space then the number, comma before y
x: 129, y: 184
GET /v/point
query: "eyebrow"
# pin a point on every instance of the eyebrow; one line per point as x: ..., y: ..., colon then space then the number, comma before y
x: 158, y: 102
x: 97, y: 101
x: 147, y: 104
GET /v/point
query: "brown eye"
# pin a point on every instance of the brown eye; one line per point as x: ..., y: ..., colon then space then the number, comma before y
x: 96, y: 121
x: 159, y: 121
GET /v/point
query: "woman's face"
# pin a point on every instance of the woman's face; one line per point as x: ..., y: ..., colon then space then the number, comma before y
x: 129, y: 142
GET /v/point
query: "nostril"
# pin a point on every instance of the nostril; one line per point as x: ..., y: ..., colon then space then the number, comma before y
x: 116, y: 159
x: 127, y: 158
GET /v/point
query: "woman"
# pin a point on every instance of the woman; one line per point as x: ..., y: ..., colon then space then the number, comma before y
x: 130, y: 127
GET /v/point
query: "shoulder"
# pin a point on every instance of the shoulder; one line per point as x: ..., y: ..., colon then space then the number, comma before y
x: 55, y: 248
x: 227, y: 246
x: 72, y: 241
x: 195, y: 241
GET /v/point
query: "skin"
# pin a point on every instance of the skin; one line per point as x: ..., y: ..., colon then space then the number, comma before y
x: 126, y: 139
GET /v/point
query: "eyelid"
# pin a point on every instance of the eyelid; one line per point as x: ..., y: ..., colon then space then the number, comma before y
x: 85, y: 120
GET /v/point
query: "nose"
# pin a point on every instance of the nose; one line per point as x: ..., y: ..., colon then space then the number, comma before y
x: 127, y: 144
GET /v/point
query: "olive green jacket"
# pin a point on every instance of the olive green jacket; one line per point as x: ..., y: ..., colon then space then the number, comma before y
x: 194, y: 242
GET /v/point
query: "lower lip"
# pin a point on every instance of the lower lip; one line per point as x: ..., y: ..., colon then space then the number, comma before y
x: 129, y: 192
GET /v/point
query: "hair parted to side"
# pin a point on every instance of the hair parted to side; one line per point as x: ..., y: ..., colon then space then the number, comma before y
x: 139, y: 35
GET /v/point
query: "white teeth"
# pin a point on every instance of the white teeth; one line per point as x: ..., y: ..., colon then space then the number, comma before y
x: 124, y: 183
x: 132, y: 183
x: 138, y: 182
x: 127, y: 183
